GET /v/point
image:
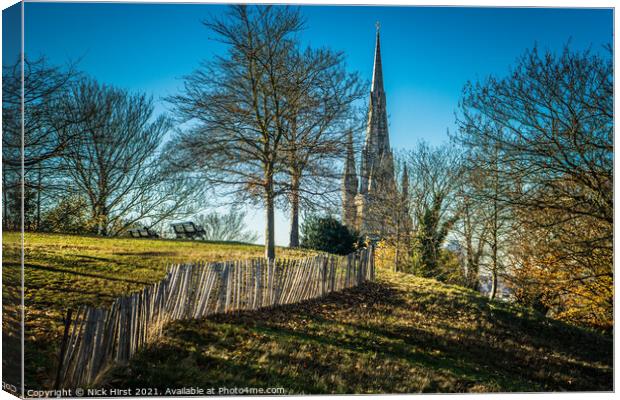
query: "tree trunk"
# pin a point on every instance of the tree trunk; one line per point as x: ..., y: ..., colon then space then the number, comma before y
x: 5, y: 221
x: 494, y: 268
x: 472, y: 278
x: 102, y: 220
x: 493, y: 292
x: 294, y: 238
x: 39, y: 180
x: 397, y: 249
x: 396, y: 256
x: 270, y: 243
x: 495, y: 244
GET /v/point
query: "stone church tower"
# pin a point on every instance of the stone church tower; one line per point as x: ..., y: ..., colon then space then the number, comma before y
x: 367, y: 204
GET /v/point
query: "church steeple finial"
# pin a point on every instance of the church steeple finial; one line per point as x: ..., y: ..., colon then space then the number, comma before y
x: 377, y: 72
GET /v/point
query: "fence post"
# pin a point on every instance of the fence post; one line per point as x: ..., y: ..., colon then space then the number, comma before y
x: 326, y: 261
x: 364, y: 268
x: 332, y: 273
x: 63, y: 348
x: 372, y: 262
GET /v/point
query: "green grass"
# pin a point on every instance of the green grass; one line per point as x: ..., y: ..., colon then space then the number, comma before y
x: 66, y: 271
x: 399, y: 334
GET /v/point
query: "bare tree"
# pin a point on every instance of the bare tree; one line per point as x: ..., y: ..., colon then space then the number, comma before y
x: 553, y: 122
x: 550, y: 123
x: 434, y: 180
x: 472, y: 229
x: 488, y: 218
x: 237, y: 107
x: 226, y: 227
x: 44, y: 117
x: 45, y: 121
x: 320, y: 113
x: 115, y: 163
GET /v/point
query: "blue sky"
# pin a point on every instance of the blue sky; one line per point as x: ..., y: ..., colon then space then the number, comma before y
x: 429, y: 53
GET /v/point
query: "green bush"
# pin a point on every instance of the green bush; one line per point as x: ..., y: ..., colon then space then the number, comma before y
x: 328, y: 234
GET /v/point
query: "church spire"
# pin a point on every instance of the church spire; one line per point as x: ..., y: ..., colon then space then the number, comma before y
x: 377, y: 139
x: 377, y: 180
x: 377, y: 70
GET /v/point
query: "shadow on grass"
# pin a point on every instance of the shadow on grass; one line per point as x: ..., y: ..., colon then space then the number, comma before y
x: 377, y: 338
x: 146, y: 253
x: 85, y: 274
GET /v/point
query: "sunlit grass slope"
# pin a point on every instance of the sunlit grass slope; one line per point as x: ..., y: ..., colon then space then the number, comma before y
x: 66, y: 271
x: 399, y: 334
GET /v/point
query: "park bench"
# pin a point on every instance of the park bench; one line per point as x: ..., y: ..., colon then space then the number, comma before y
x: 143, y: 233
x: 188, y: 230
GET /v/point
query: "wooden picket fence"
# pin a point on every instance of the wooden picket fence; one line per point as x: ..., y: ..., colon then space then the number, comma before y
x: 97, y: 338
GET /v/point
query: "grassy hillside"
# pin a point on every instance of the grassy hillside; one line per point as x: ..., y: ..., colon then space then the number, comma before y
x: 63, y: 271
x: 399, y: 334
x: 68, y: 270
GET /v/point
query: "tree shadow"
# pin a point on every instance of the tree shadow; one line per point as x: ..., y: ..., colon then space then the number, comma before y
x: 374, y: 338
x: 85, y: 274
x: 147, y: 254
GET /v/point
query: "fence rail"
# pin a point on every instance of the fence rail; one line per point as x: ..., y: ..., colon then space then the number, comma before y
x: 97, y: 338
